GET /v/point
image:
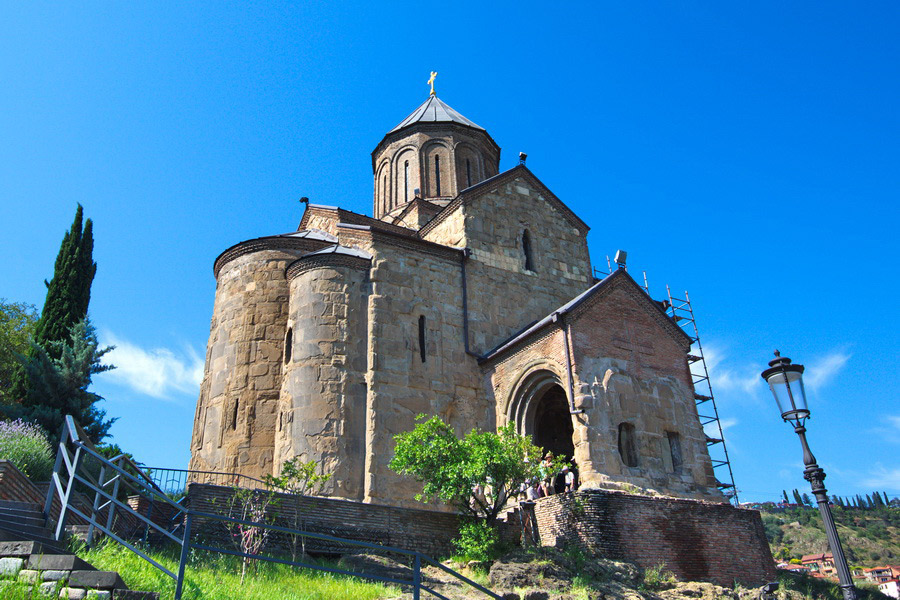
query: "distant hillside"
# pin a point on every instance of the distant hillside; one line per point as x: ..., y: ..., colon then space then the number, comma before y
x: 870, y: 537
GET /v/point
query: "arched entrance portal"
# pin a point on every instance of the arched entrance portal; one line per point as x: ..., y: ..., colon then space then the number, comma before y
x: 553, y: 423
x: 540, y: 408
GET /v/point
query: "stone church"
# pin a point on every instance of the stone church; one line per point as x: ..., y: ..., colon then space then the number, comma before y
x: 468, y: 294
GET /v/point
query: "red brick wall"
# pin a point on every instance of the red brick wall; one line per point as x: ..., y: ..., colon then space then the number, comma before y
x: 696, y: 540
x: 427, y: 531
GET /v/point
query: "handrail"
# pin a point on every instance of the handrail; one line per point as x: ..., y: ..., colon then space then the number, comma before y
x: 69, y: 467
x: 157, y: 471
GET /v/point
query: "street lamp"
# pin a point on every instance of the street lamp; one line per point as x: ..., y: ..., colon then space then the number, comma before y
x: 786, y: 382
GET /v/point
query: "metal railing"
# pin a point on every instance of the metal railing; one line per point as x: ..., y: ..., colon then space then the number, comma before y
x: 75, y: 464
x: 175, y: 481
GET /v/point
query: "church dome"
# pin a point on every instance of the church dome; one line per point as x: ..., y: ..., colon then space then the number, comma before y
x: 433, y: 154
x: 435, y: 110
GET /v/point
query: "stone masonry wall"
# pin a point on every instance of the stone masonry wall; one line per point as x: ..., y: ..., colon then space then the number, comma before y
x: 409, y: 284
x: 322, y: 411
x: 695, y: 540
x: 234, y: 425
x: 504, y: 296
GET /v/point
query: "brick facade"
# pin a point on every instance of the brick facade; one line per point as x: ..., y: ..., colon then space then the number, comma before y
x: 698, y: 541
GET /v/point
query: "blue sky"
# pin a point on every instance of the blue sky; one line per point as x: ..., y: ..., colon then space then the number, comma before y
x: 746, y: 152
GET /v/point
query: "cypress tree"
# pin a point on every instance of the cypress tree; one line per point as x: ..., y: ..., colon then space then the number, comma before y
x: 784, y: 493
x: 69, y: 292
x: 797, y: 499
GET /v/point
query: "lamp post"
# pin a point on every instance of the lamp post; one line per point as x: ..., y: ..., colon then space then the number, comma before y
x: 786, y: 382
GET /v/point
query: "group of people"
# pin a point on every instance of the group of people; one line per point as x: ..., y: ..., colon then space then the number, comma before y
x: 552, y: 480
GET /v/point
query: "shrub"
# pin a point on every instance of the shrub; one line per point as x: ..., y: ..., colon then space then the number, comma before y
x: 26, y: 446
x: 478, y: 541
x: 658, y: 578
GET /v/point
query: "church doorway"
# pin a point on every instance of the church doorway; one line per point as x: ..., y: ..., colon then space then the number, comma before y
x: 552, y: 423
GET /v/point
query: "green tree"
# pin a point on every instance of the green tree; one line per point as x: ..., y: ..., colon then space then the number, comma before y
x: 806, y: 500
x: 784, y: 493
x: 17, y: 321
x: 69, y: 292
x: 453, y: 468
x: 797, y: 499
x: 59, y: 386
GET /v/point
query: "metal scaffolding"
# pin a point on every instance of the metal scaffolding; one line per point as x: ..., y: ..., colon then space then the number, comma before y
x: 682, y: 313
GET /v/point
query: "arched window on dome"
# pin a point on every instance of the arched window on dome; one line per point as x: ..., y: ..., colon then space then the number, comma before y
x: 437, y: 175
x: 288, y: 345
x: 527, y: 251
x: 406, y: 182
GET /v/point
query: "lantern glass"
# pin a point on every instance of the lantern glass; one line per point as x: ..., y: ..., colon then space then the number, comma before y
x: 786, y: 384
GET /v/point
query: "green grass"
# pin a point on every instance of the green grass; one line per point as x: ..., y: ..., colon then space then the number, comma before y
x: 216, y: 576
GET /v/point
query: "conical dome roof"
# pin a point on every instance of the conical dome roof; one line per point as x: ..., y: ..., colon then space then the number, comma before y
x: 435, y: 110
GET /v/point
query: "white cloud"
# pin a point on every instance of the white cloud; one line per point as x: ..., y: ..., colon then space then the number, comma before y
x: 889, y: 429
x: 820, y: 372
x: 881, y: 478
x: 157, y: 372
x: 726, y: 377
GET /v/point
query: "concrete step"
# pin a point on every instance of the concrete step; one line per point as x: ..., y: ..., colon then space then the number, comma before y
x: 19, y: 505
x: 45, y: 543
x: 96, y: 580
x: 21, y: 512
x: 22, y: 549
x: 18, y: 526
x: 33, y: 519
x: 58, y: 562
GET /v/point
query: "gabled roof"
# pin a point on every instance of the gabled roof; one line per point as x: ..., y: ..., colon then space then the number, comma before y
x: 435, y: 110
x: 620, y: 275
x: 519, y: 171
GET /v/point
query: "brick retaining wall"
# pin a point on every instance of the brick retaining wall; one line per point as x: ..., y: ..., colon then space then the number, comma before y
x: 426, y: 531
x: 696, y: 540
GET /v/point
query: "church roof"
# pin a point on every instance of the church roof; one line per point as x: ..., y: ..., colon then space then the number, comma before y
x: 571, y: 305
x: 435, y: 110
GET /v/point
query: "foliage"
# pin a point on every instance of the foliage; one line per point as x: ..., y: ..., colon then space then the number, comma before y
x: 17, y: 321
x: 658, y: 577
x: 478, y: 541
x: 451, y: 467
x: 26, y: 445
x: 58, y: 379
x: 249, y: 505
x: 214, y: 576
x: 298, y: 478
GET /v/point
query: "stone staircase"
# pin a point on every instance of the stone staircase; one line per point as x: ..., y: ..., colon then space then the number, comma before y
x: 29, y: 556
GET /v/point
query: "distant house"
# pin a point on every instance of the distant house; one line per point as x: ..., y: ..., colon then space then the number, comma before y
x: 820, y: 564
x: 882, y: 574
x: 891, y: 588
x: 793, y: 568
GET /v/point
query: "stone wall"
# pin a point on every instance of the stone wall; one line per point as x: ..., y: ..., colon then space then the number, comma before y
x: 504, y: 295
x: 234, y: 426
x: 427, y: 531
x: 695, y: 540
x: 322, y: 411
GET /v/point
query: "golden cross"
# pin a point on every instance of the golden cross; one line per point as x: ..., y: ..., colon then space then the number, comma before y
x: 431, y: 81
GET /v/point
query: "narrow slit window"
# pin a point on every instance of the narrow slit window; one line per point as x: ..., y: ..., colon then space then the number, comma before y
x: 675, y: 450
x: 406, y: 182
x: 527, y: 251
x: 288, y: 345
x: 422, y: 337
x: 627, y: 446
x: 437, y: 175
x: 468, y: 173
x: 234, y: 416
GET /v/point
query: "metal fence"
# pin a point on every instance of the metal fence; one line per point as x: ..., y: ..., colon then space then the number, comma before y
x: 174, y: 482
x: 77, y: 462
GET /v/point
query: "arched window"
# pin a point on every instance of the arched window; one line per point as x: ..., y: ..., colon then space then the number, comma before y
x: 406, y: 182
x: 627, y: 446
x: 437, y: 175
x: 422, y: 337
x: 288, y: 345
x: 527, y: 251
x: 468, y: 173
